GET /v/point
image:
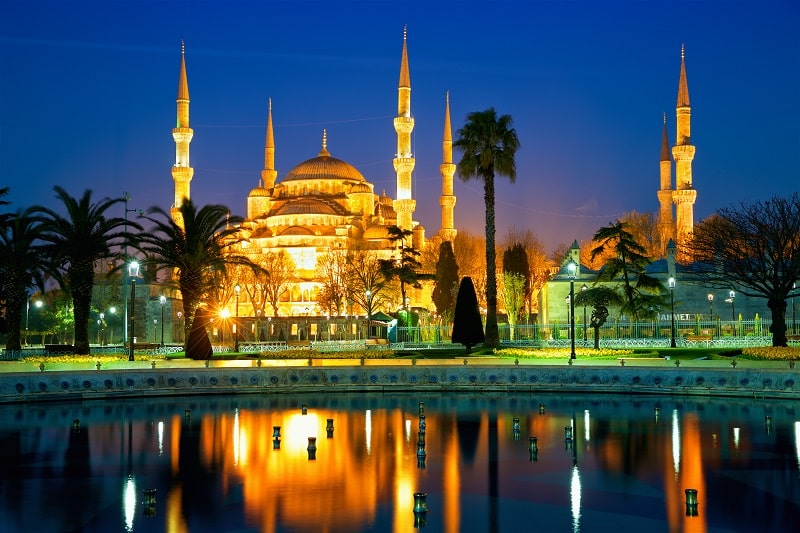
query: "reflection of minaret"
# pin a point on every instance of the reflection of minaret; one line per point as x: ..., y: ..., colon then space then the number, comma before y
x: 182, y: 134
x: 666, y: 224
x: 404, y: 204
x: 683, y: 152
x: 447, y: 169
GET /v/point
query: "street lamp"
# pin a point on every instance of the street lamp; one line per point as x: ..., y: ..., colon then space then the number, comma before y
x: 730, y: 300
x: 236, y: 289
x: 37, y: 303
x: 258, y: 324
x: 140, y: 212
x: 369, y: 311
x: 572, y: 270
x: 711, y: 306
x: 163, y: 300
x: 584, y: 288
x: 180, y: 325
x: 155, y: 328
x: 102, y: 324
x: 794, y: 323
x: 671, y: 283
x: 133, y: 272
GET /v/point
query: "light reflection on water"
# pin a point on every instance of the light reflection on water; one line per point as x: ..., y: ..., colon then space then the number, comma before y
x: 215, y: 465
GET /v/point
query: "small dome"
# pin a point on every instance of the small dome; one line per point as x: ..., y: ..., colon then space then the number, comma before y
x: 361, y: 187
x: 259, y: 192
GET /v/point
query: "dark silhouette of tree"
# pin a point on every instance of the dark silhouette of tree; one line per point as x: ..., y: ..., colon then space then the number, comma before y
x: 446, y: 281
x: 599, y: 298
x: 22, y: 265
x: 754, y: 247
x: 467, y: 326
x: 642, y: 294
x: 74, y: 243
x: 488, y: 145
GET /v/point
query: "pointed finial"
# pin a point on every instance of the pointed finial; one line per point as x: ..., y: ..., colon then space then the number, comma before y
x: 683, y: 50
x: 405, y: 31
x: 447, y: 97
x: 324, y: 152
x: 183, y: 47
x: 665, y: 118
x: 270, y: 105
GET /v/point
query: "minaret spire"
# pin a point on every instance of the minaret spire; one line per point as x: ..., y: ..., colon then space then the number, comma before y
x: 447, y: 170
x: 404, y: 161
x: 324, y: 152
x: 182, y: 134
x: 665, y: 193
x: 683, y: 152
x: 269, y: 173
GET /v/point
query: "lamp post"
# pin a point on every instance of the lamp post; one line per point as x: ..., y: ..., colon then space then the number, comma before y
x: 163, y: 300
x: 126, y: 197
x: 133, y: 272
x: 258, y: 324
x: 730, y: 299
x: 180, y: 325
x: 572, y: 269
x: 102, y: 324
x: 236, y: 289
x: 671, y: 283
x: 155, y: 328
x: 794, y: 294
x: 711, y: 307
x: 369, y: 311
x: 584, y: 288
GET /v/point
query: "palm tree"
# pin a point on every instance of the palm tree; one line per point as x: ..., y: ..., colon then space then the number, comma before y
x: 642, y: 294
x: 488, y: 144
x: 195, y: 252
x: 21, y: 264
x: 74, y: 244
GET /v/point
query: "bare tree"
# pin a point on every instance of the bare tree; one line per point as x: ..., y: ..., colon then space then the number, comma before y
x: 469, y: 251
x: 280, y: 267
x: 754, y: 247
x: 367, y: 283
x: 332, y: 273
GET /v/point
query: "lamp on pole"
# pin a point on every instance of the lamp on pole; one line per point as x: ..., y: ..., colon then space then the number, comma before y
x: 236, y: 289
x: 710, y: 306
x: 584, y: 288
x: 369, y: 311
x: 794, y: 323
x: 730, y: 300
x: 258, y: 324
x: 572, y: 270
x: 180, y: 325
x: 102, y: 324
x: 163, y: 300
x: 126, y: 197
x: 671, y: 283
x: 133, y: 272
x: 155, y: 327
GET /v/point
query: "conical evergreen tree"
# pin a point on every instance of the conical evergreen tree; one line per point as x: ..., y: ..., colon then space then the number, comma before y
x: 467, y: 325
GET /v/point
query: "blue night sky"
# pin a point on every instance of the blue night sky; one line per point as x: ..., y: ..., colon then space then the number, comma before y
x: 87, y: 98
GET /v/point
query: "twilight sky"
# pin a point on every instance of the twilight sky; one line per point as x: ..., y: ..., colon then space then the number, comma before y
x: 87, y: 98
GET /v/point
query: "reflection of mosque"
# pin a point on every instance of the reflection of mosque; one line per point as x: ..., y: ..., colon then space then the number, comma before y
x: 215, y: 464
x: 324, y: 204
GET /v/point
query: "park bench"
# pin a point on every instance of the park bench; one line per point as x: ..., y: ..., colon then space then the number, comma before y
x: 695, y: 340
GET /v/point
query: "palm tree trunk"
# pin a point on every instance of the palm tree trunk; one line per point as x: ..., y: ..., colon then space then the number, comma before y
x: 492, y: 334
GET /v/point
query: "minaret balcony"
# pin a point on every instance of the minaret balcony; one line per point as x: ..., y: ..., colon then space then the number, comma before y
x: 403, y: 124
x: 683, y: 152
x: 182, y: 135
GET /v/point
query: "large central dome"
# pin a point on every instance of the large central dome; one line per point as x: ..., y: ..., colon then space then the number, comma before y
x: 324, y: 167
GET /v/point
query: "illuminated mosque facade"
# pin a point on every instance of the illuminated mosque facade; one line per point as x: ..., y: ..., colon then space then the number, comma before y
x: 324, y: 203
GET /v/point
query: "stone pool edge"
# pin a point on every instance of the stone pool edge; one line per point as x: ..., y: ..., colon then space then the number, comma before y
x: 61, y: 385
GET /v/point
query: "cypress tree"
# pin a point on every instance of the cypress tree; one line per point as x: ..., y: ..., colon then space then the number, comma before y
x: 467, y: 325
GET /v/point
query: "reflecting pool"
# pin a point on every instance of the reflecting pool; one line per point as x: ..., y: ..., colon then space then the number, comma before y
x: 401, y: 462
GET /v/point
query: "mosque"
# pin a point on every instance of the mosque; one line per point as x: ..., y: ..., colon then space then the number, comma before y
x: 325, y: 204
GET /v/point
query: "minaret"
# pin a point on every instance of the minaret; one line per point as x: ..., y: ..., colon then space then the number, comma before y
x: 665, y: 223
x: 683, y: 152
x: 404, y: 162
x: 182, y: 134
x: 269, y: 173
x: 447, y: 169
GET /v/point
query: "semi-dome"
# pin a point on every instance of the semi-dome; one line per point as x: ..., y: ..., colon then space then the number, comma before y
x: 323, y: 167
